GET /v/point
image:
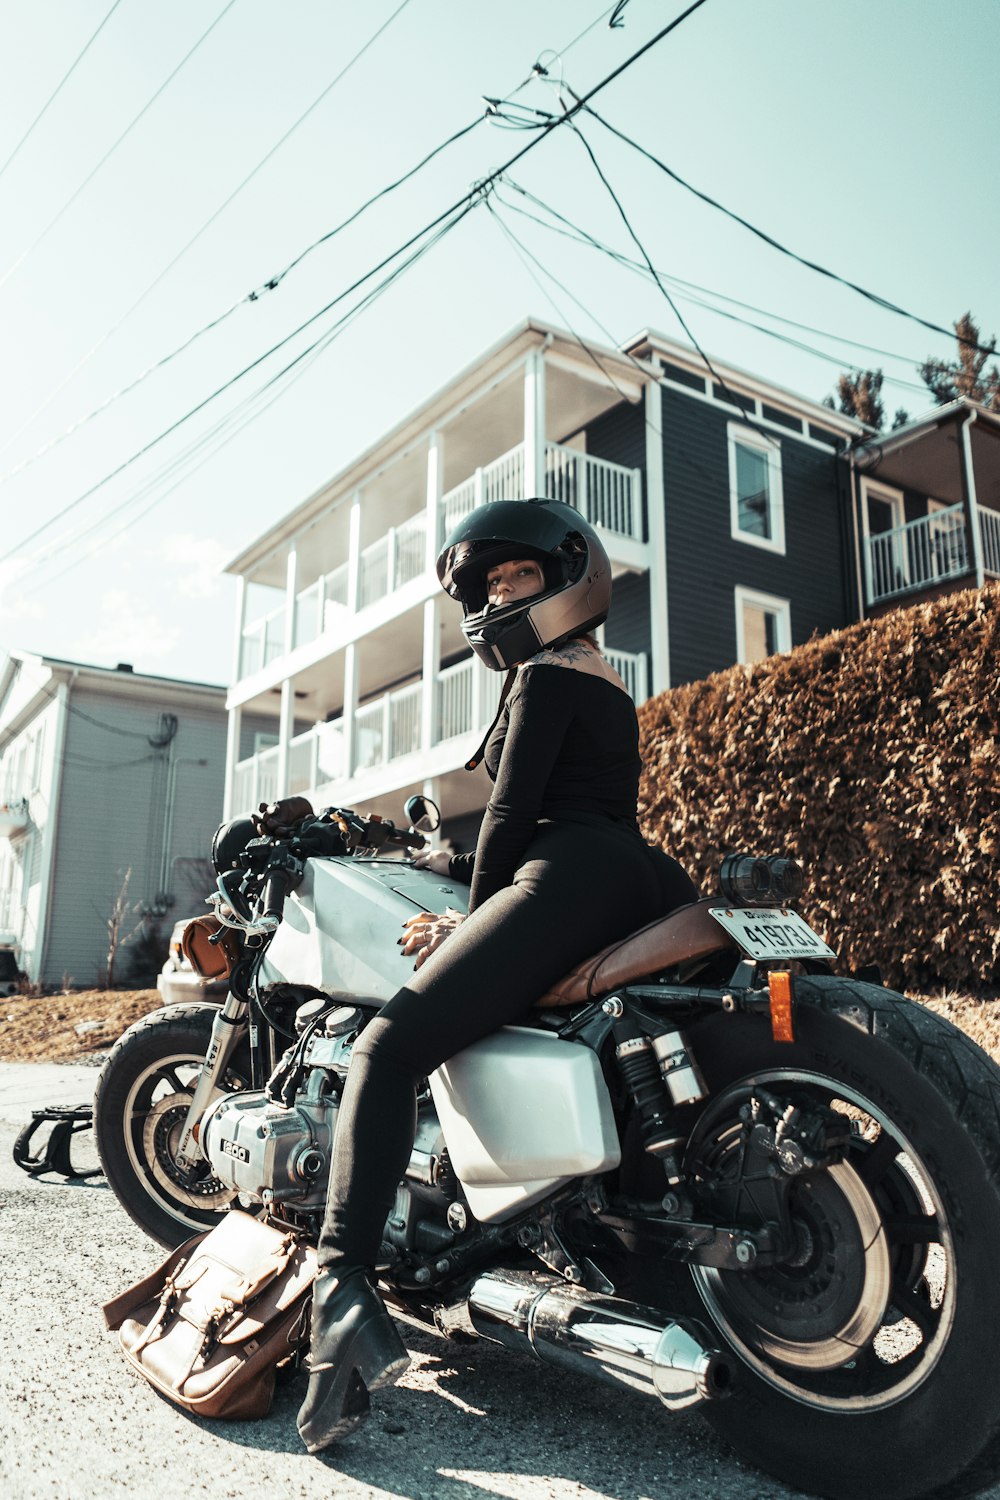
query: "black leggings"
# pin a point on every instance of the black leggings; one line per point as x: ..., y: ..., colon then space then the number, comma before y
x: 578, y: 889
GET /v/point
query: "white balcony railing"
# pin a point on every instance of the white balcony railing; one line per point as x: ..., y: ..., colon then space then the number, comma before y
x: 989, y: 522
x: 263, y: 642
x: 607, y: 494
x: 389, y: 728
x: 915, y: 556
x: 604, y: 493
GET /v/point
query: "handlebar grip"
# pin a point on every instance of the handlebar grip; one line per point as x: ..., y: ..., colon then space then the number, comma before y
x: 276, y: 888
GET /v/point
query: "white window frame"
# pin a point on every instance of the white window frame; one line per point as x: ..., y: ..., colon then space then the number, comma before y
x: 780, y: 608
x: 894, y: 498
x: 737, y: 435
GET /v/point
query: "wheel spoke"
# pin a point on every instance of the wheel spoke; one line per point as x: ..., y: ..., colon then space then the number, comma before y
x: 912, y: 1229
x: 911, y: 1305
x: 170, y: 1075
x: 876, y: 1161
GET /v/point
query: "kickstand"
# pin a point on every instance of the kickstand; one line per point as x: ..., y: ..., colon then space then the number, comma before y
x: 66, y: 1122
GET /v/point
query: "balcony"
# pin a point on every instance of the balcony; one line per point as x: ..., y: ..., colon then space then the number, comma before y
x: 15, y: 817
x: 919, y: 555
x: 389, y: 729
x: 606, y: 494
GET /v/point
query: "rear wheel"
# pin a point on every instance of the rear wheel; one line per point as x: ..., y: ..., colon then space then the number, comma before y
x: 142, y: 1099
x: 868, y: 1361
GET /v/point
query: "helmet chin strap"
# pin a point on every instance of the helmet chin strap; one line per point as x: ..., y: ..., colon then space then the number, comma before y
x: 508, y: 683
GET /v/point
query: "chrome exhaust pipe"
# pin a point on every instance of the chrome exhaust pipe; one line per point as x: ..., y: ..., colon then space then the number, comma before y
x: 621, y: 1342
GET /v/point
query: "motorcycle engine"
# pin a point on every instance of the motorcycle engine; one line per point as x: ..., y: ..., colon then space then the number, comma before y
x: 275, y: 1153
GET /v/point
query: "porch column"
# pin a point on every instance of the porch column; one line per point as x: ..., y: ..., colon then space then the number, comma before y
x: 431, y: 668
x: 971, y: 502
x: 435, y: 480
x: 291, y: 588
x: 286, y: 729
x: 351, y: 666
x: 534, y: 424
x: 233, y: 731
x: 656, y: 513
x: 354, y: 554
x: 241, y: 620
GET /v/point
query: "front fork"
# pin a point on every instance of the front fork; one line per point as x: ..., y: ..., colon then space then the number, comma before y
x: 227, y: 1029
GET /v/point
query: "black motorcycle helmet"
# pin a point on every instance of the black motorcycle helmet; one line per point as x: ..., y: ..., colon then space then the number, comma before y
x: 577, y: 593
x: 229, y: 842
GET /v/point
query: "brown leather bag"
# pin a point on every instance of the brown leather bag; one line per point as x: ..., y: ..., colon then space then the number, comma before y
x: 210, y: 1327
x: 211, y: 959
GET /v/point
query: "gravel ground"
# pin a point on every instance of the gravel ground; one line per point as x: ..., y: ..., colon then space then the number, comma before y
x: 464, y: 1422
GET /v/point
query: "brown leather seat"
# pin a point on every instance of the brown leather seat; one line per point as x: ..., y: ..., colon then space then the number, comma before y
x: 688, y: 933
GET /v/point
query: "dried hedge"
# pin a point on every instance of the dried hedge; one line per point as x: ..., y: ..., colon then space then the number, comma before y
x: 870, y: 755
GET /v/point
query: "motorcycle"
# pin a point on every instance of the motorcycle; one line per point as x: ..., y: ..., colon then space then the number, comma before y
x: 705, y: 1166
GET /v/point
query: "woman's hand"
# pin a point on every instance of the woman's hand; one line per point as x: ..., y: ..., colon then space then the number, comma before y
x: 435, y: 860
x: 425, y: 932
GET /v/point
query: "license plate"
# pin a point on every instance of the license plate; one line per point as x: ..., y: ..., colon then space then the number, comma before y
x: 765, y: 932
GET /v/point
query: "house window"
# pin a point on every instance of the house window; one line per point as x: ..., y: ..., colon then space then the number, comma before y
x: 763, y: 625
x: 755, y: 499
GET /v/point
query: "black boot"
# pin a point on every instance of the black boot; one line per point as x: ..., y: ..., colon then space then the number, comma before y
x: 354, y: 1349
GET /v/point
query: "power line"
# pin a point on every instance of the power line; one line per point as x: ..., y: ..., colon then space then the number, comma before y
x: 769, y: 239
x: 685, y: 292
x: 525, y: 255
x: 582, y: 236
x: 59, y: 87
x: 467, y: 199
x: 242, y: 413
x: 112, y: 149
x: 253, y: 296
x: 655, y: 275
x: 272, y: 282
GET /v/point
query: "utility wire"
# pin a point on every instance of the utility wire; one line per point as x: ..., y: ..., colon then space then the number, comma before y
x: 769, y: 239
x: 112, y: 149
x: 59, y: 87
x: 243, y: 414
x: 686, y: 291
x: 735, y: 400
x: 466, y: 200
x: 575, y: 232
x: 525, y: 256
x: 252, y: 296
x: 273, y: 282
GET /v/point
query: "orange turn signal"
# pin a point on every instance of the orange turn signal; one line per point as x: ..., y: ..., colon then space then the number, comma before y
x: 779, y: 984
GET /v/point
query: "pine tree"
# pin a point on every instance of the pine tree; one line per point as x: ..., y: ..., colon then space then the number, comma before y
x: 967, y: 375
x: 860, y: 396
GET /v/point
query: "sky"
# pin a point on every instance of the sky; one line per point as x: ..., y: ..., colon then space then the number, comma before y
x: 171, y: 174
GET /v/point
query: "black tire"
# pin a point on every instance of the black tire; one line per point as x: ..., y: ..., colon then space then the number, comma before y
x: 918, y: 1406
x: 138, y: 1110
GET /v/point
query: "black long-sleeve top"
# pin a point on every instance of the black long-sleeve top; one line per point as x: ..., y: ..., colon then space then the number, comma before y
x: 566, y: 743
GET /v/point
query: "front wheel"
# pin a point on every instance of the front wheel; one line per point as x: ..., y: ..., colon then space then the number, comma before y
x: 142, y: 1099
x: 868, y: 1361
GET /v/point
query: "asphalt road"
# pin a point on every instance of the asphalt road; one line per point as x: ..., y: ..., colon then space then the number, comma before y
x: 465, y: 1422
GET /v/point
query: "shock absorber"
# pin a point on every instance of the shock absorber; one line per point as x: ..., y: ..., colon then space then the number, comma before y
x: 660, y: 1075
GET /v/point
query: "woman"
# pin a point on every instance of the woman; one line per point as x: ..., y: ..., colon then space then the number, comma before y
x: 560, y: 870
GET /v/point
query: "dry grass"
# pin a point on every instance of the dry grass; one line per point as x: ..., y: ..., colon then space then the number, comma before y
x: 44, y: 1028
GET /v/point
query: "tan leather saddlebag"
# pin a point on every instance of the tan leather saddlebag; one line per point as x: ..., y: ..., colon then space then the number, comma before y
x: 210, y: 1327
x: 209, y: 954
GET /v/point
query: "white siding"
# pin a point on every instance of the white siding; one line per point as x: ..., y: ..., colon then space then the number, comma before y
x: 114, y: 816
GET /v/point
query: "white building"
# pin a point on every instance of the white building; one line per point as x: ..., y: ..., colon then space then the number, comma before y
x: 101, y: 772
x: 724, y: 500
x: 344, y: 633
